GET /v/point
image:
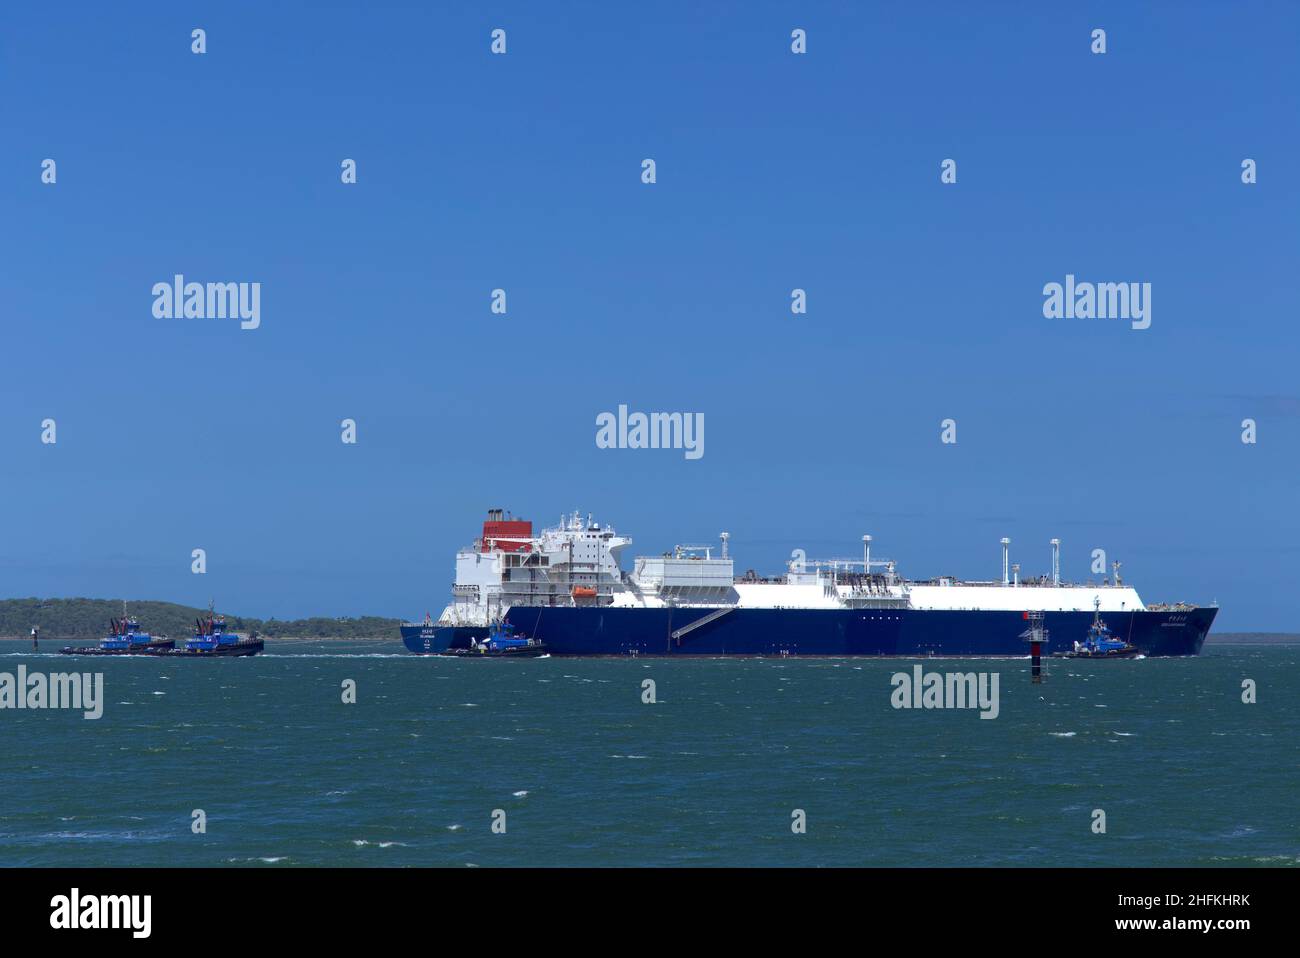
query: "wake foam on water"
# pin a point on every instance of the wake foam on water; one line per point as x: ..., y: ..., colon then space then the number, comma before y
x: 1241, y: 831
x: 339, y: 655
x: 108, y: 836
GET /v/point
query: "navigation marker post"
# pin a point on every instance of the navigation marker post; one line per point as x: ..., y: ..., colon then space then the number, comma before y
x: 1036, y: 636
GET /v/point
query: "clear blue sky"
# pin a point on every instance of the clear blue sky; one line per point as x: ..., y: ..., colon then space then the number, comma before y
x: 522, y: 171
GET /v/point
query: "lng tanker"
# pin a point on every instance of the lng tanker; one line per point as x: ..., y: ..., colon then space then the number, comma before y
x: 566, y: 589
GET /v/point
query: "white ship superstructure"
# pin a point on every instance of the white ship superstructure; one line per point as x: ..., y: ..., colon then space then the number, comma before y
x: 574, y: 561
x: 577, y: 562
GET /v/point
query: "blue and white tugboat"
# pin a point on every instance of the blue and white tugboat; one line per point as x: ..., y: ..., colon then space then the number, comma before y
x: 1099, y: 643
x: 125, y: 638
x: 500, y: 643
x: 211, y: 639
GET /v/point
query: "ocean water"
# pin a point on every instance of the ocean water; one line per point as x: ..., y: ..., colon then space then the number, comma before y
x: 588, y: 774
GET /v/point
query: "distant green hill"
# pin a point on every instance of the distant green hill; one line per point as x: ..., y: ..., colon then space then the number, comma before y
x: 89, y: 618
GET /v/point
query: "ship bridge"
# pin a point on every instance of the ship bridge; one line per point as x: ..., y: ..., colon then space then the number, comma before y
x: 574, y: 562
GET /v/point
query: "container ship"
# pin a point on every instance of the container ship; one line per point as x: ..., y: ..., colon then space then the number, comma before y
x: 566, y: 588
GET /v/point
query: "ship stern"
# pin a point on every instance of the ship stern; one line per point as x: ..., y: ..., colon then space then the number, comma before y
x: 438, y: 639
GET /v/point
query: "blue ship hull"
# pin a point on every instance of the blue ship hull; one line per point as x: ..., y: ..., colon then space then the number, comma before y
x: 892, y: 632
x: 435, y: 639
x: 153, y: 647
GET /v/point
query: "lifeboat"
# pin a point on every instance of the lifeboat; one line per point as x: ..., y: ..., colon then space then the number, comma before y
x: 584, y: 592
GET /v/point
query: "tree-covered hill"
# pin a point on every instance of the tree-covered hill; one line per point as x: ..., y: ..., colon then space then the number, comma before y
x: 89, y: 619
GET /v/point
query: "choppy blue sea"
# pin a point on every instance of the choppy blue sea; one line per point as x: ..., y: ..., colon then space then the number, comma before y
x: 582, y: 771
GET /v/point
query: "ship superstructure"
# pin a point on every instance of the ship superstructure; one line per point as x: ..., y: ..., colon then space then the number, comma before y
x: 566, y: 587
x: 574, y: 562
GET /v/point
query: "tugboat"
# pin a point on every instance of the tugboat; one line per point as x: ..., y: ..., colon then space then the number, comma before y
x: 500, y: 644
x: 212, y: 639
x: 124, y: 638
x: 1100, y: 643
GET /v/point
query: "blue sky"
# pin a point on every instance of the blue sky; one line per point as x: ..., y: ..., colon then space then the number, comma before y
x: 522, y: 172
